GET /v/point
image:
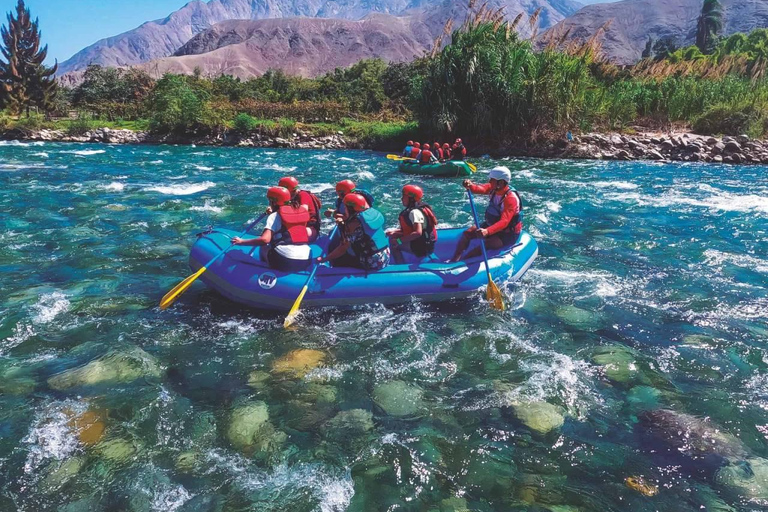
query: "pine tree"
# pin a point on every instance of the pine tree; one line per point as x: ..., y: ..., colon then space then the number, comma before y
x: 709, y: 27
x: 24, y: 80
x: 648, y: 49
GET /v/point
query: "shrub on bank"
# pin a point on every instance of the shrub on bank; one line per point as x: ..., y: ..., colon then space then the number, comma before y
x: 730, y: 119
x: 82, y: 125
x: 244, y: 123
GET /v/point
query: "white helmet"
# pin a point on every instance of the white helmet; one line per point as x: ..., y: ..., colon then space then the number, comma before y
x: 501, y: 173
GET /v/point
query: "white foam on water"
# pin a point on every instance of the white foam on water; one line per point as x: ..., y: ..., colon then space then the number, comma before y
x: 621, y: 185
x: 21, y: 333
x: 277, y: 167
x: 202, y: 167
x: 49, y: 307
x: 715, y: 200
x: 50, y: 437
x: 41, y: 154
x: 13, y: 143
x: 525, y: 173
x: 324, y: 157
x: 207, y: 207
x: 270, y: 152
x: 317, y: 188
x: 553, y: 206
x: 170, y: 498
x: 347, y: 159
x: 115, y: 186
x: 155, y: 162
x: 86, y: 152
x: 543, y: 218
x: 718, y: 259
x: 365, y: 175
x: 182, y: 189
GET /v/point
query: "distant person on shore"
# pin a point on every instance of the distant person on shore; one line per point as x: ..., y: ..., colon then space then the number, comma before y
x: 503, y: 217
x: 459, y: 151
x: 299, y: 197
x: 417, y: 233
x: 408, y: 149
x: 364, y: 244
x: 286, y: 235
x: 447, y: 151
x: 426, y: 156
x: 415, y: 150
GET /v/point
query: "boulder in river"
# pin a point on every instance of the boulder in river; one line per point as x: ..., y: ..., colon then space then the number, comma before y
x: 349, y: 424
x: 579, y: 318
x: 112, y: 368
x: 298, y: 363
x: 61, y: 474
x: 620, y: 365
x: 748, y: 479
x: 117, y: 450
x: 250, y: 431
x: 398, y: 398
x: 541, y: 417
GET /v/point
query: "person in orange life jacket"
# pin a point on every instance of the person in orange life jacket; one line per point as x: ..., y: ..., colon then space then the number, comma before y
x: 299, y: 197
x: 437, y: 150
x: 415, y: 150
x: 418, y: 226
x: 447, y: 151
x: 503, y: 221
x: 343, y: 188
x: 426, y: 156
x: 408, y: 149
x: 362, y: 232
x: 459, y: 151
x: 286, y: 235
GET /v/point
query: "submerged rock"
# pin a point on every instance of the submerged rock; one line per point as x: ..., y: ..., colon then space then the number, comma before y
x: 580, y: 318
x: 398, y: 398
x: 541, y: 417
x: 643, y: 397
x: 89, y: 427
x: 639, y: 484
x: 749, y: 479
x: 251, y: 432
x: 347, y: 424
x: 257, y: 379
x: 114, y: 367
x: 61, y: 474
x: 297, y: 363
x: 117, y: 450
x: 16, y: 381
x: 188, y: 462
x: 620, y: 365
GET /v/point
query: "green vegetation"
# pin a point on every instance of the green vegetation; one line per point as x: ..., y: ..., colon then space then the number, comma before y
x: 709, y: 26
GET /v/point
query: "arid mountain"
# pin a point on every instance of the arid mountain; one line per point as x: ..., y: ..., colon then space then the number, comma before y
x: 298, y: 46
x: 162, y: 38
x: 632, y: 22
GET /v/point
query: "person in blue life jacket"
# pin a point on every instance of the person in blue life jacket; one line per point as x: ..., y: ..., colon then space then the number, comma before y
x: 408, y: 149
x: 343, y: 188
x: 362, y: 232
x: 285, y: 239
x: 417, y: 233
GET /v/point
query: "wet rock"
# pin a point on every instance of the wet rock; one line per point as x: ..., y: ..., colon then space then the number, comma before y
x: 16, y: 381
x: 732, y: 147
x: 641, y: 485
x: 541, y: 417
x: 698, y: 340
x: 738, y: 158
x: 117, y: 450
x: 348, y: 424
x: 655, y: 155
x: 89, y: 427
x: 619, y: 364
x: 667, y: 146
x: 579, y: 318
x: 748, y: 479
x: 257, y: 379
x: 113, y: 368
x: 250, y: 431
x: 188, y: 462
x: 742, y: 139
x: 61, y: 474
x: 454, y: 504
x: 398, y: 398
x: 718, y: 148
x: 623, y: 155
x: 298, y: 363
x: 717, y: 159
x: 643, y: 397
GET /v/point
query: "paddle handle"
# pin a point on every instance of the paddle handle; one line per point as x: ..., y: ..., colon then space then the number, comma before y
x: 250, y: 226
x: 477, y: 224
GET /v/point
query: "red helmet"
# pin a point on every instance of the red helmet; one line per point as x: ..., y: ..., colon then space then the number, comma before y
x: 345, y: 186
x: 410, y: 143
x: 279, y: 195
x: 288, y: 182
x: 414, y: 192
x: 436, y: 145
x: 416, y: 145
x: 446, y: 146
x: 426, y: 146
x: 355, y: 202
x: 458, y: 141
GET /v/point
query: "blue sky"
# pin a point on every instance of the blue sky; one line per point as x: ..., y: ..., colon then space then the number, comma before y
x: 68, y: 26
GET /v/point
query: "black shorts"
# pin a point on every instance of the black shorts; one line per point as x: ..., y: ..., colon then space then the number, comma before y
x: 280, y: 262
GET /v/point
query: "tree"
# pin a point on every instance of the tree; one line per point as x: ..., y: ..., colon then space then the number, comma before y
x: 24, y: 79
x: 709, y: 26
x: 664, y: 47
x: 648, y: 51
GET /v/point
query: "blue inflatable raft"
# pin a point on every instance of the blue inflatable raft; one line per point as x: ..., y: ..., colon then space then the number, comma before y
x: 241, y: 276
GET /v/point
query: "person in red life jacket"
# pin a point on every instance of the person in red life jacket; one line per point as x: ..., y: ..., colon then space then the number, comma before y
x: 447, y: 151
x: 286, y: 236
x: 415, y: 150
x: 426, y: 156
x: 437, y: 150
x: 310, y: 200
x: 503, y: 218
x: 408, y: 149
x: 364, y: 243
x: 459, y: 151
x: 418, y: 226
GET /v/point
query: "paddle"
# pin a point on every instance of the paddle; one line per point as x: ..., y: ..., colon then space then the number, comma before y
x: 472, y: 167
x: 399, y: 158
x: 294, y: 312
x: 492, y: 293
x: 180, y: 288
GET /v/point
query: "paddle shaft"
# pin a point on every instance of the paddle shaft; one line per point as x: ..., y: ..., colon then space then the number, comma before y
x: 250, y: 226
x: 482, y: 241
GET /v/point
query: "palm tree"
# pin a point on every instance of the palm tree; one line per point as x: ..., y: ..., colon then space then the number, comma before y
x: 710, y: 25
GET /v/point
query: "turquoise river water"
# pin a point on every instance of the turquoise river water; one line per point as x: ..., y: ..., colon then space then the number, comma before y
x: 630, y: 373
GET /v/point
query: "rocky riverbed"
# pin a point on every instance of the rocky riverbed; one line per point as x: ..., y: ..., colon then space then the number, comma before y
x: 686, y: 147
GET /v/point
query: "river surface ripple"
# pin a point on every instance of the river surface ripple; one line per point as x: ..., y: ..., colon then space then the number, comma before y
x: 636, y: 346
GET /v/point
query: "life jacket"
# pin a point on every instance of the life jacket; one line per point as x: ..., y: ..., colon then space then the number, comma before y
x: 425, y: 157
x: 459, y: 152
x: 493, y: 212
x: 439, y: 153
x: 294, y: 220
x: 313, y: 204
x: 447, y: 154
x: 415, y: 152
x: 407, y: 151
x: 429, y: 231
x: 375, y: 239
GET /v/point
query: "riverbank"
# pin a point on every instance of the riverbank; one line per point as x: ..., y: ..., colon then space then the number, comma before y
x: 686, y: 147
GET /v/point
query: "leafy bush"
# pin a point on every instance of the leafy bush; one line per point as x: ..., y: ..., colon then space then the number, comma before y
x: 80, y: 126
x: 730, y: 119
x: 244, y: 123
x: 177, y: 106
x: 31, y: 123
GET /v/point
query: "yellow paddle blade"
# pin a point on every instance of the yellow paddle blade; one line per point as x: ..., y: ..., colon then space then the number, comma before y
x: 393, y: 157
x: 494, y: 296
x: 472, y: 167
x: 180, y: 288
x: 294, y: 312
